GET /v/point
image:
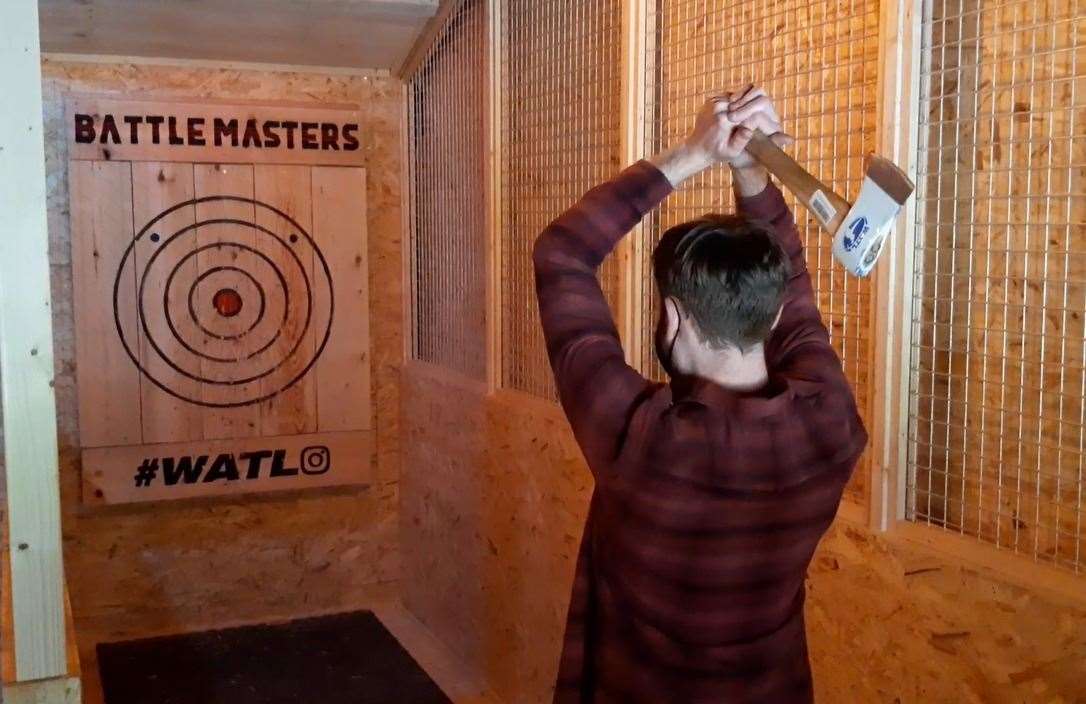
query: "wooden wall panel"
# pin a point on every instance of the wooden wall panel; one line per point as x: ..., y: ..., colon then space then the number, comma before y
x: 495, y: 497
x: 189, y: 565
x: 999, y: 423
x: 157, y: 186
x: 101, y: 211
x: 343, y: 373
x: 294, y: 409
x: 226, y: 180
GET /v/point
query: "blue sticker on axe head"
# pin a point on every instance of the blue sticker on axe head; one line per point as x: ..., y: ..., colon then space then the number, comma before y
x: 855, y: 233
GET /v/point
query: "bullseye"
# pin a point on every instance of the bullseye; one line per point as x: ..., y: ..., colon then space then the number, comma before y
x: 227, y: 302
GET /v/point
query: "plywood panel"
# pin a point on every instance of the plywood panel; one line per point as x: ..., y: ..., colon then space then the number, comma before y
x: 293, y: 409
x: 226, y: 180
x: 343, y: 370
x: 102, y: 127
x: 101, y: 216
x: 158, y: 187
x: 336, y: 549
x: 119, y: 475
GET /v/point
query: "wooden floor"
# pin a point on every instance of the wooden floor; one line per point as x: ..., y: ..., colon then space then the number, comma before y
x: 438, y: 661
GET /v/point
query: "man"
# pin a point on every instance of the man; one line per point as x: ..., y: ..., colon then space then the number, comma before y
x: 712, y: 492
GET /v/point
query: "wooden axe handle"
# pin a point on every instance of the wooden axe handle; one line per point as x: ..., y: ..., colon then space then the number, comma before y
x: 800, y: 182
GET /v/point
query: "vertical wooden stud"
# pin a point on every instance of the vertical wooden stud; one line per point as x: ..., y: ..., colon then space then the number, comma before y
x: 26, y: 357
x: 493, y: 196
x: 899, y: 74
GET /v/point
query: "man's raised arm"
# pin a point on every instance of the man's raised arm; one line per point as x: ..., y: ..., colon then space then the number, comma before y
x: 595, y: 385
x: 598, y: 390
x: 757, y: 197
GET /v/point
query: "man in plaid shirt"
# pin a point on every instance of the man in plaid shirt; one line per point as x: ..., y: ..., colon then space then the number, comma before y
x: 712, y: 491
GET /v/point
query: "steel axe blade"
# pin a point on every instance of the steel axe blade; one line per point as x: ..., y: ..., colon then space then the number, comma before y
x: 859, y: 229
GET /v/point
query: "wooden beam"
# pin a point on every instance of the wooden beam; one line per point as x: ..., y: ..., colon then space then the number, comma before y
x: 426, y: 39
x: 26, y: 356
x: 494, y: 194
x: 65, y: 689
x: 898, y: 118
x: 630, y: 252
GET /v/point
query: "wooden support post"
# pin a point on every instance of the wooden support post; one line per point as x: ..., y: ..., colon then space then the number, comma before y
x: 898, y: 119
x: 630, y: 251
x: 494, y: 195
x: 26, y: 356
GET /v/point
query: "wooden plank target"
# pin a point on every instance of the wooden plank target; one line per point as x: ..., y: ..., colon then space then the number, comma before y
x: 101, y: 211
x: 218, y: 306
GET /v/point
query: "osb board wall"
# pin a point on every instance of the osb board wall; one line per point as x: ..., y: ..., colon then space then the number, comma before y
x: 494, y: 499
x: 1000, y: 299
x: 192, y: 564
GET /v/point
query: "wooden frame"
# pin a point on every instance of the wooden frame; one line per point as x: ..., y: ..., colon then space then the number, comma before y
x: 635, y: 51
x: 493, y: 196
x: 899, y: 69
x: 429, y: 35
x: 407, y: 220
x: 26, y: 360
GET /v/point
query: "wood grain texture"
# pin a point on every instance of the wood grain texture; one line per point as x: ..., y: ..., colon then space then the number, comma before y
x: 293, y: 409
x: 361, y: 33
x: 492, y: 520
x: 101, y: 207
x: 35, y: 598
x: 226, y: 180
x: 804, y: 186
x: 227, y: 466
x: 343, y: 372
x: 166, y: 567
x: 999, y: 305
x: 157, y: 186
x: 66, y: 685
x: 236, y: 142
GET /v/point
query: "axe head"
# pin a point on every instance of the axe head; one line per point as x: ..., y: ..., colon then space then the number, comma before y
x: 860, y: 238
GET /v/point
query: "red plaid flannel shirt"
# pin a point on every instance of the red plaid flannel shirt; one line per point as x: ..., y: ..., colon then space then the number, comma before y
x: 708, y: 503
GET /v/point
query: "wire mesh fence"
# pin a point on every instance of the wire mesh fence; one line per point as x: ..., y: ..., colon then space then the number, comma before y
x: 818, y: 60
x: 560, y: 135
x: 446, y: 109
x: 999, y: 344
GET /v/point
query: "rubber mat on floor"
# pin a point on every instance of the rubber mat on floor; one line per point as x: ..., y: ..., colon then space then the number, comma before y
x: 341, y: 659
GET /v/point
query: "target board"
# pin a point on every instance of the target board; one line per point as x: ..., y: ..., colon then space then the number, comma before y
x: 221, y: 306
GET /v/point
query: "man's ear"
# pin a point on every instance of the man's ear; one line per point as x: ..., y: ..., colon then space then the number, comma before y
x: 673, y: 315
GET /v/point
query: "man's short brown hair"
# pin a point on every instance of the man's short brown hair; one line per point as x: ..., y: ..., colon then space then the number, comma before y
x: 728, y: 272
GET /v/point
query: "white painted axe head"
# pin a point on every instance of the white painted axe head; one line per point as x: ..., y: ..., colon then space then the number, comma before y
x: 860, y: 238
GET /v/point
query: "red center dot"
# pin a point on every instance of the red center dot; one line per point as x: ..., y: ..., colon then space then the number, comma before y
x: 227, y: 302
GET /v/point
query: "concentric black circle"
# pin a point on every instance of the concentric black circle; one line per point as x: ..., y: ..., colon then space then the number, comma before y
x: 243, y: 362
x: 196, y: 316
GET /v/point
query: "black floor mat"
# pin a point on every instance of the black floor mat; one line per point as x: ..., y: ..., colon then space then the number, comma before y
x: 342, y: 659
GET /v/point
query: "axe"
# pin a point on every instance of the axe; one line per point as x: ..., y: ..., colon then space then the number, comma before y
x: 859, y: 229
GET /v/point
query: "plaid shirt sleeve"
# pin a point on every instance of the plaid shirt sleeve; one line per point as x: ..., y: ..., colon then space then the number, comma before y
x: 596, y: 387
x: 800, y: 342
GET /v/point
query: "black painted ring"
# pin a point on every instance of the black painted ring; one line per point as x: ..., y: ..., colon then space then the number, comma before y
x: 129, y: 253
x: 195, y: 316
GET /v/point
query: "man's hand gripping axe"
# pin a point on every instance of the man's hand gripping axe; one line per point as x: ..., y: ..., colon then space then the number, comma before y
x: 860, y: 229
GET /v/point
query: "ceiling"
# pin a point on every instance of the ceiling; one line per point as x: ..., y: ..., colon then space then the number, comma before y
x: 345, y: 33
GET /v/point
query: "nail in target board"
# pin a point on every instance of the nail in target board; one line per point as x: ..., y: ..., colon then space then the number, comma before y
x: 221, y: 298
